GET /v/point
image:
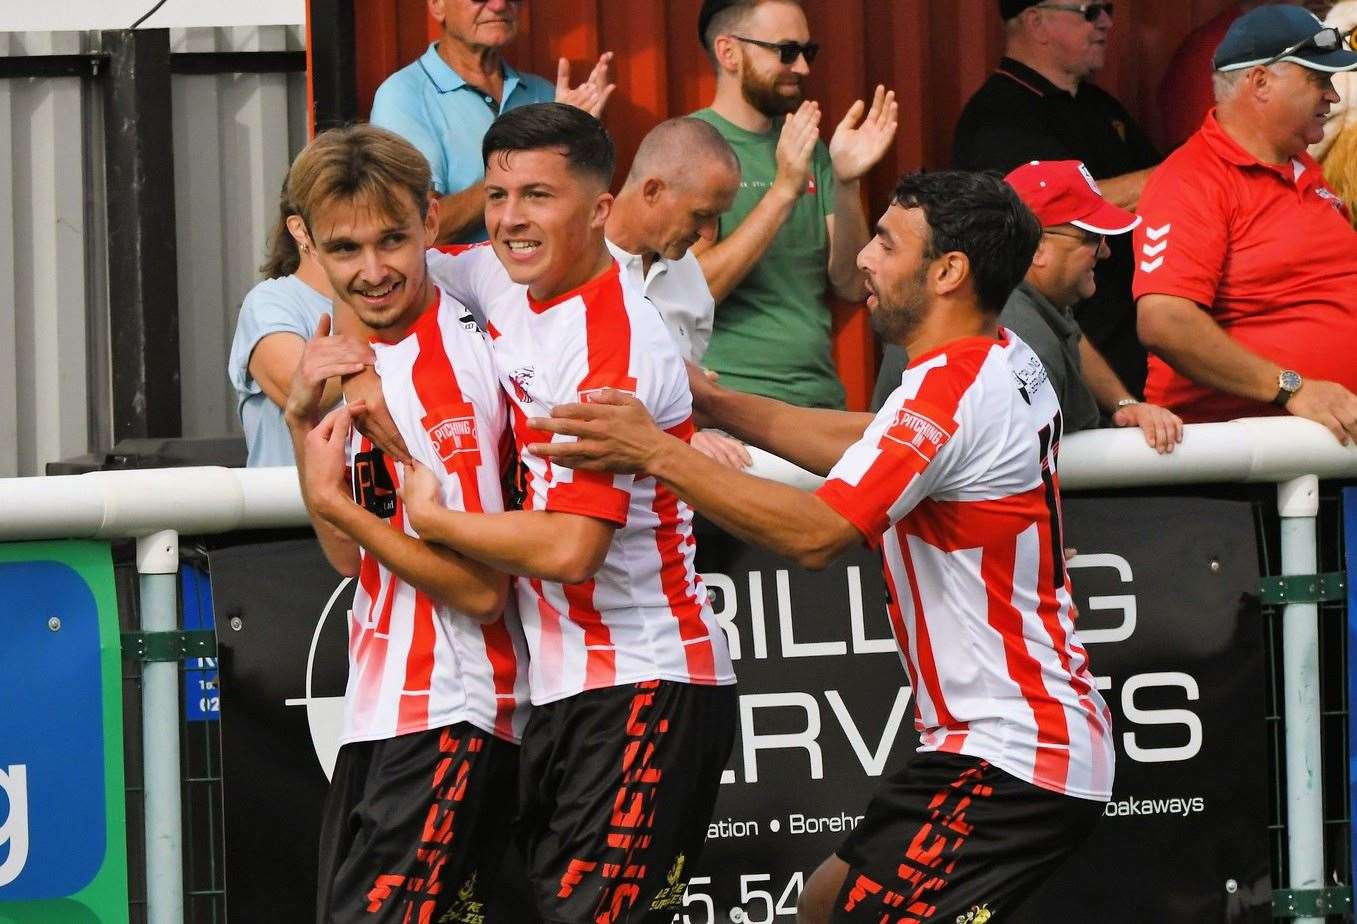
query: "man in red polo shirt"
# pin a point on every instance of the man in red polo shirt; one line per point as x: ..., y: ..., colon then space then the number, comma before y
x: 1246, y: 264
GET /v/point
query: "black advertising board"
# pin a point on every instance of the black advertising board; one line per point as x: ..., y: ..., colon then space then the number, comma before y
x: 1173, y: 637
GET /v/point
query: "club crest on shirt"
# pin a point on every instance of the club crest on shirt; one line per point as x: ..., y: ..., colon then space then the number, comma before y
x: 521, y: 379
x: 918, y: 431
x: 454, y: 435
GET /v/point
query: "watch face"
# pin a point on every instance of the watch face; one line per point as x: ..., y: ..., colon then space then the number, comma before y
x: 1289, y: 381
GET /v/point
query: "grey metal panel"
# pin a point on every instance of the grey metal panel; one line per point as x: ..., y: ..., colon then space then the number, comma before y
x: 45, y: 413
x: 234, y: 136
x: 234, y: 139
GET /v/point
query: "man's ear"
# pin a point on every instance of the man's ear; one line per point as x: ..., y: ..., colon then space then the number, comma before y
x: 437, y: 12
x: 727, y: 54
x: 950, y: 272
x: 651, y: 189
x: 603, y: 207
x: 297, y: 228
x: 1041, y: 258
x: 431, y: 221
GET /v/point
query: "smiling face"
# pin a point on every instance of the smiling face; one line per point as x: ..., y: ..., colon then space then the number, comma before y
x: 771, y: 87
x: 896, y: 263
x: 373, y: 255
x: 478, y: 23
x: 545, y: 219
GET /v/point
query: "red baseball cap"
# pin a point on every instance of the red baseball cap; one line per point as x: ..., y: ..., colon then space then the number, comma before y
x: 1063, y: 192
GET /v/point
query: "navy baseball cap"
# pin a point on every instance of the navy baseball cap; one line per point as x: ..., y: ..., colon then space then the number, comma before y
x: 1010, y: 8
x: 1279, y: 32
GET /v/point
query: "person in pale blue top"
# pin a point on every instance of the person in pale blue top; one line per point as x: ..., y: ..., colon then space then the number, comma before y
x: 276, y: 319
x: 444, y: 102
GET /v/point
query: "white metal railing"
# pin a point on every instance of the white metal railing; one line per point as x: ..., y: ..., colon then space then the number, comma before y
x: 156, y: 506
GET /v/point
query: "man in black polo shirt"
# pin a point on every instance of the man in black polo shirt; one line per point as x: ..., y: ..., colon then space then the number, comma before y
x: 1039, y: 105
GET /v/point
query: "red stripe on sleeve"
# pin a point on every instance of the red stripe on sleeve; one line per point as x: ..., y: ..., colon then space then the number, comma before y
x: 674, y: 579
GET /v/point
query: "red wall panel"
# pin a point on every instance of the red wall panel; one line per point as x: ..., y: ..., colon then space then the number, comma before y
x: 933, y: 53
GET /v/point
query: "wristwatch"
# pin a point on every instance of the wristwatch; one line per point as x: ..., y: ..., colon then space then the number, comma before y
x: 1288, y: 383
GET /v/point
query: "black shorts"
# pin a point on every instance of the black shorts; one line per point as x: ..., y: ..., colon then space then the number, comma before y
x: 412, y: 824
x: 950, y: 837
x: 617, y: 790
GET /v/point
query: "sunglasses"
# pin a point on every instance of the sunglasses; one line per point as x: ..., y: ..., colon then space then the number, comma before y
x: 1330, y: 39
x: 787, y: 52
x: 1087, y: 238
x: 1090, y: 11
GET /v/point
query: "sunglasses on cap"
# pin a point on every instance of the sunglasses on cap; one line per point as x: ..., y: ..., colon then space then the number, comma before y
x: 1090, y: 11
x: 1330, y: 39
x: 787, y: 52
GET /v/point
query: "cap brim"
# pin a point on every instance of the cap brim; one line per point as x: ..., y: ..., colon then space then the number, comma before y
x: 1107, y: 219
x: 1333, y: 62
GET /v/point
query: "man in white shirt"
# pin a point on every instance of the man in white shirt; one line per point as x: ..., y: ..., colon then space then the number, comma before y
x: 683, y: 178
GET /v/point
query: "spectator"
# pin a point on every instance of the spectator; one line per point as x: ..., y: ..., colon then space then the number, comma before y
x: 1337, y: 152
x: 1040, y: 105
x: 1075, y: 224
x: 1247, y: 259
x: 276, y: 319
x: 683, y: 178
x: 797, y: 223
x: 443, y: 102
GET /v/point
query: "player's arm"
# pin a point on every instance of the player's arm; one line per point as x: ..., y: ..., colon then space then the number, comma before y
x: 614, y: 432
x: 1190, y: 341
x: 813, y: 438
x: 551, y: 545
x: 726, y: 262
x: 441, y: 573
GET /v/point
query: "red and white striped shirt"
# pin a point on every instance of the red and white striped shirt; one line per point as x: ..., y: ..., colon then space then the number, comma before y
x: 645, y: 614
x: 956, y: 480
x: 415, y: 664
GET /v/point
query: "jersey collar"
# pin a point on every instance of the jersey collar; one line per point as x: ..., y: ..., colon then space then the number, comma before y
x: 1028, y: 79
x: 446, y: 80
x: 1230, y: 151
x: 604, y: 278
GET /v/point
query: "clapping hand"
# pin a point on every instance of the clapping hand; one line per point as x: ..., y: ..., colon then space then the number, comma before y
x: 859, y: 144
x: 592, y: 95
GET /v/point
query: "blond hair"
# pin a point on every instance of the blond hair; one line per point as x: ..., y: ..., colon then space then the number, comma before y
x: 358, y: 163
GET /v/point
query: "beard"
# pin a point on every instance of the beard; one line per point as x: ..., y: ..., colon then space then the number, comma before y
x: 762, y: 93
x: 900, y: 314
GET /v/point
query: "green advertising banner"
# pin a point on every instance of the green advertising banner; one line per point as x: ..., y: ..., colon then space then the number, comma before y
x: 63, y: 831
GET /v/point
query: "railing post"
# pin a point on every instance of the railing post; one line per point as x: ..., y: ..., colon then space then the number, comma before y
x: 158, y: 569
x: 1298, y: 505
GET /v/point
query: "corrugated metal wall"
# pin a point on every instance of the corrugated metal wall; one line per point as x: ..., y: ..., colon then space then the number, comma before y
x: 934, y: 53
x: 234, y: 136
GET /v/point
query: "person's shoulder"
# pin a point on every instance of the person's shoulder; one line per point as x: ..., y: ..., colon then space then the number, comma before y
x: 687, y: 270
x: 999, y: 96
x: 1194, y: 166
x: 284, y: 296
x: 403, y: 83
x: 538, y: 88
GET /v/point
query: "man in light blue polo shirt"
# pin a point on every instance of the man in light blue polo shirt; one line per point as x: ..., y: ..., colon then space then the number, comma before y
x: 444, y: 102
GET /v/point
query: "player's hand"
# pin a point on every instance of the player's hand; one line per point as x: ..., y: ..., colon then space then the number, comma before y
x: 324, y: 460
x: 418, y: 492
x: 795, y: 148
x: 724, y: 449
x: 1328, y: 403
x: 858, y: 144
x: 363, y: 391
x: 323, y: 358
x: 592, y: 95
x: 1163, y: 429
x: 614, y: 433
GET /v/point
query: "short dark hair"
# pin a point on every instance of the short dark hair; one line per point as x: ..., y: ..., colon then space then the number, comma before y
x: 588, y: 147
x: 979, y: 215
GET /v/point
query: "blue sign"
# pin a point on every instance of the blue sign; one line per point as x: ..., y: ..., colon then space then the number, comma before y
x: 53, y: 829
x: 202, y: 690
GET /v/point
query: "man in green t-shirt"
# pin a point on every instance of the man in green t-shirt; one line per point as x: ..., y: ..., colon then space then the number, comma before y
x: 797, y: 223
